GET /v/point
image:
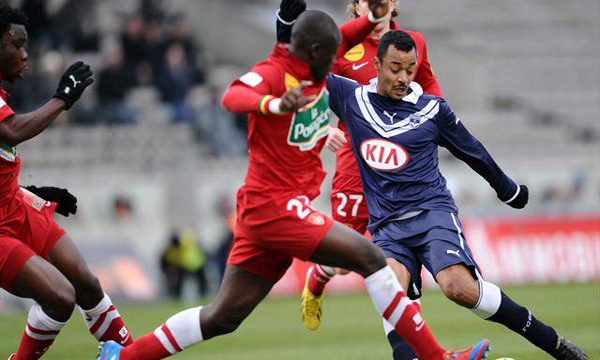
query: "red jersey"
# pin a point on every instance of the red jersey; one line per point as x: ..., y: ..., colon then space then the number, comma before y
x: 284, y: 149
x: 10, y: 163
x: 357, y: 64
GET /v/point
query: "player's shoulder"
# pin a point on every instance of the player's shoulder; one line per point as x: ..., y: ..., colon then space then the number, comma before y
x: 340, y: 83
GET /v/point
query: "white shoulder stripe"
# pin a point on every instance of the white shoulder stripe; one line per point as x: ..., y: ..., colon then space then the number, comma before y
x: 386, y: 130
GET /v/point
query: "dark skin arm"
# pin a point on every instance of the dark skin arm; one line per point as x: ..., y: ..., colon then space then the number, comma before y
x: 19, y: 128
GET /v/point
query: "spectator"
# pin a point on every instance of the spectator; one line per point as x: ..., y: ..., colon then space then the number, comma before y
x: 113, y: 83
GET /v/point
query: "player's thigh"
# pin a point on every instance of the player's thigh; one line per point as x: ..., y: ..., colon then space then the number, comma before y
x: 346, y: 248
x: 240, y: 292
x: 66, y: 257
x: 401, y: 272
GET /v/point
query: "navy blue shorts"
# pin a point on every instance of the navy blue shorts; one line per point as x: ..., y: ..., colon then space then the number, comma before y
x: 433, y: 239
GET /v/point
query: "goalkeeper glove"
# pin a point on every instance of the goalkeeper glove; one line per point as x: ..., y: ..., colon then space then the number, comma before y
x: 73, y: 82
x: 521, y: 199
x: 66, y: 202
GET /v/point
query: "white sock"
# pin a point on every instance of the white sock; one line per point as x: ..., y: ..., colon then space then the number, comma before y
x: 384, y: 288
x: 489, y: 301
x: 183, y: 327
x: 40, y: 326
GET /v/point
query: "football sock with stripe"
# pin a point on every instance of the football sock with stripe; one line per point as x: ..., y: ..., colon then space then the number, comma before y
x: 318, y: 277
x: 177, y: 333
x: 40, y: 332
x: 401, y: 349
x: 391, y: 301
x: 105, y: 322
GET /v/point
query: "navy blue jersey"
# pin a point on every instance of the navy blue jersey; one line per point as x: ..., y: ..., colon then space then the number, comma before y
x: 396, y: 146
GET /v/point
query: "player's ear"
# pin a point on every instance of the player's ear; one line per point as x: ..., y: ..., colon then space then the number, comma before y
x: 377, y: 63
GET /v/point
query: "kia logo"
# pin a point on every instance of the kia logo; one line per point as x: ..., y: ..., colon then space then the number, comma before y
x: 383, y: 155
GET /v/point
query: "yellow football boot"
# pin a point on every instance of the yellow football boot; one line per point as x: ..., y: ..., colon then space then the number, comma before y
x: 310, y: 308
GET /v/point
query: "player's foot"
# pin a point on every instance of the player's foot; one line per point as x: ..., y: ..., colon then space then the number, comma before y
x: 109, y: 350
x: 566, y: 350
x: 12, y: 356
x: 310, y: 307
x: 479, y: 351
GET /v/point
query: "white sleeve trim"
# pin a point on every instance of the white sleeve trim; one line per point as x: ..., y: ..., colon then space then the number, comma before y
x: 283, y: 21
x: 514, y: 196
x: 375, y: 20
x: 274, y: 106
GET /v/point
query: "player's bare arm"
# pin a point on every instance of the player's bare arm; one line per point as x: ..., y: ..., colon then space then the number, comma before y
x: 19, y: 128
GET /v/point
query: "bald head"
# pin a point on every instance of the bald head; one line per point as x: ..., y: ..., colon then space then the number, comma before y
x: 315, y: 39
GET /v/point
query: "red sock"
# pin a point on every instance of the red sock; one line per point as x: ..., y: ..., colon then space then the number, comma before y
x: 105, y: 323
x: 411, y: 326
x: 40, y: 332
x: 147, y: 347
x: 180, y: 331
x: 318, y: 277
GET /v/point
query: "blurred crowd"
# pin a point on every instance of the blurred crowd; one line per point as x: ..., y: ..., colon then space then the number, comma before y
x: 151, y: 50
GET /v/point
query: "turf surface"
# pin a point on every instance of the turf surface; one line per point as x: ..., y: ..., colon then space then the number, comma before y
x: 350, y: 329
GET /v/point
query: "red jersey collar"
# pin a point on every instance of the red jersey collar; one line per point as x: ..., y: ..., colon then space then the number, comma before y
x: 293, y: 64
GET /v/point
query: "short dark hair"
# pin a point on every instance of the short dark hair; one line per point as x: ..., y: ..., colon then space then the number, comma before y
x: 400, y: 39
x: 10, y: 15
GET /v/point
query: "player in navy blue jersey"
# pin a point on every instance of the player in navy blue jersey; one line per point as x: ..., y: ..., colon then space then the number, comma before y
x: 395, y: 132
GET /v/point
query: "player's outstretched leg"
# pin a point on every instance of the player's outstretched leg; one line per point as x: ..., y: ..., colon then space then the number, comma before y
x: 343, y: 247
x: 487, y: 301
x: 101, y: 317
x: 239, y: 294
x: 55, y: 301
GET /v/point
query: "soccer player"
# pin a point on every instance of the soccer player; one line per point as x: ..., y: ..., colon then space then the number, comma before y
x: 347, y: 197
x: 288, y: 119
x: 38, y: 260
x: 395, y: 132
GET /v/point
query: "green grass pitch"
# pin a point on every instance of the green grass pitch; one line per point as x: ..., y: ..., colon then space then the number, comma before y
x: 351, y: 328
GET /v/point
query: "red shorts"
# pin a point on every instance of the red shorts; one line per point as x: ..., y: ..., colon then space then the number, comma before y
x: 271, y: 231
x: 348, y: 203
x: 27, y: 228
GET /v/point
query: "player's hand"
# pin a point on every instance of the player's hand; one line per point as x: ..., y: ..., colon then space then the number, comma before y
x: 66, y: 202
x: 73, y: 82
x: 289, y: 10
x: 522, y: 198
x: 335, y: 139
x: 295, y: 99
x: 379, y: 8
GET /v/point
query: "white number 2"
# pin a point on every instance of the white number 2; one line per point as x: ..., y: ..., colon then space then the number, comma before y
x: 302, y: 209
x: 357, y: 198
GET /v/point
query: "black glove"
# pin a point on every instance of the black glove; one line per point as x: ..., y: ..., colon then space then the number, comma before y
x: 520, y: 201
x: 71, y: 85
x: 289, y: 10
x: 66, y: 202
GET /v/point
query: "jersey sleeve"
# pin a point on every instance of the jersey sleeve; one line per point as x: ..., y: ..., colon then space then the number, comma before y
x: 425, y: 76
x: 454, y: 136
x: 353, y: 33
x: 5, y: 110
x: 339, y: 88
x: 252, y: 91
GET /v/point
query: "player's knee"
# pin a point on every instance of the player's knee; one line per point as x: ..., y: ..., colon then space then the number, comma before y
x: 89, y: 283
x: 60, y: 302
x: 459, y: 292
x: 370, y: 259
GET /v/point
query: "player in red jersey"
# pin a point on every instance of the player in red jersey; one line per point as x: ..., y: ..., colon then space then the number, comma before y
x: 347, y: 198
x: 38, y: 260
x: 287, y: 106
x: 354, y: 61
